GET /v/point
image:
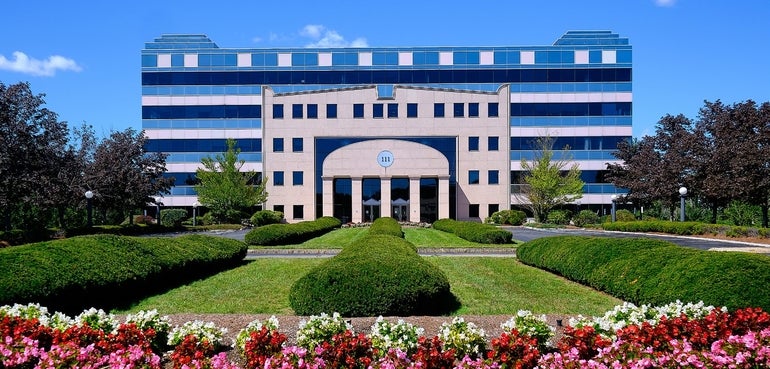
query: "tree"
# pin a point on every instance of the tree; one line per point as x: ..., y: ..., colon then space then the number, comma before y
x: 227, y: 190
x: 546, y: 182
x: 124, y: 176
x: 31, y: 142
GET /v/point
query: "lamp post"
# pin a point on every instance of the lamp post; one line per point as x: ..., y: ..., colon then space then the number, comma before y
x: 157, y: 209
x: 682, y: 195
x: 195, y: 209
x: 89, y: 195
x: 614, y: 200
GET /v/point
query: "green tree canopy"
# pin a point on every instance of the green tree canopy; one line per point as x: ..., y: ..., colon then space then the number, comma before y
x: 547, y: 184
x: 225, y: 188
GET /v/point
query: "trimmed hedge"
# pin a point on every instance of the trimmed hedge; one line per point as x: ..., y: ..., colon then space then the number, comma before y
x: 512, y: 217
x: 292, y: 233
x: 376, y: 275
x: 654, y: 272
x: 265, y: 217
x: 387, y: 226
x: 687, y: 228
x: 474, y: 232
x: 107, y: 271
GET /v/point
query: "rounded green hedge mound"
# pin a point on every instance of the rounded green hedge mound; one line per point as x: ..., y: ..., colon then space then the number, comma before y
x: 388, y: 226
x: 653, y: 272
x: 293, y: 233
x: 376, y: 275
x: 474, y: 232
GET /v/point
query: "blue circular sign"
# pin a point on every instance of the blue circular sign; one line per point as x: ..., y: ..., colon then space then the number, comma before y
x: 385, y: 158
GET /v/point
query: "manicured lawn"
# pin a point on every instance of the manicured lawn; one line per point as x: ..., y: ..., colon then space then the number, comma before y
x: 484, y: 286
x: 420, y: 237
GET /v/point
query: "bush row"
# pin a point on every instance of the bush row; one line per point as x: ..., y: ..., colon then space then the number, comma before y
x: 387, y: 226
x: 293, y: 233
x: 265, y: 217
x: 379, y: 274
x: 687, y: 228
x: 474, y: 232
x: 654, y: 272
x: 105, y: 271
x: 512, y: 217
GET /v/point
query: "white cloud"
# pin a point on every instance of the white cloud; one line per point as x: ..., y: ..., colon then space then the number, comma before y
x: 665, y: 3
x: 323, y: 37
x: 24, y: 64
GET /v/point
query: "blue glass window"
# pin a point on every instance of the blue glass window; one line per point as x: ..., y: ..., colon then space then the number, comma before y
x: 493, y: 177
x: 278, y: 178
x: 149, y: 61
x: 623, y: 56
x: 277, y: 144
x: 331, y: 110
x: 595, y: 56
x: 201, y: 111
x: 459, y: 110
x: 302, y: 59
x: 411, y: 110
x: 392, y: 110
x: 345, y: 58
x: 385, y: 58
x: 438, y: 110
x: 298, y: 178
x: 473, y: 177
x: 377, y: 111
x: 574, y: 143
x: 493, y: 143
x: 312, y: 111
x: 465, y: 57
x: 570, y: 109
x: 425, y: 58
x: 493, y: 110
x: 278, y: 111
x: 473, y: 143
x: 358, y: 110
x: 297, y: 144
x: 201, y: 145
x: 473, y: 109
x: 177, y: 60
x: 296, y: 111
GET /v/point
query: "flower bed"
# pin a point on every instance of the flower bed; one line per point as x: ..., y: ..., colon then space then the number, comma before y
x: 671, y: 336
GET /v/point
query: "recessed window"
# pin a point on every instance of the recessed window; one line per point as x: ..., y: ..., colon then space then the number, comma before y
x: 296, y: 111
x: 493, y: 177
x: 473, y: 110
x: 298, y: 212
x: 278, y: 208
x: 277, y: 144
x: 473, y: 210
x: 493, y: 208
x: 377, y: 111
x: 392, y: 110
x: 278, y: 178
x: 473, y: 143
x: 358, y: 110
x: 278, y: 111
x: 438, y: 110
x: 493, y: 143
x: 411, y: 110
x: 331, y: 110
x: 297, y: 144
x: 312, y: 111
x: 493, y: 110
x: 297, y: 178
x: 459, y: 110
x: 473, y: 177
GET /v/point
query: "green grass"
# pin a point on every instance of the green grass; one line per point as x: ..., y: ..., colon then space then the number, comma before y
x: 485, y: 286
x: 420, y: 237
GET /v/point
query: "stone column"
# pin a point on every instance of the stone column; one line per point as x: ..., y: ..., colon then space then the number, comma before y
x: 385, y: 209
x: 443, y: 197
x: 328, y: 196
x: 414, y: 199
x: 357, y: 195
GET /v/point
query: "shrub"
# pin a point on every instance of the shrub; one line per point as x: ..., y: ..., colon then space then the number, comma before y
x: 287, y: 234
x: 646, y: 271
x: 388, y: 226
x: 512, y: 217
x: 585, y: 217
x: 265, y: 217
x: 319, y: 329
x: 375, y: 275
x: 623, y: 215
x: 465, y: 338
x: 172, y: 217
x: 104, y: 271
x: 560, y: 217
x: 474, y: 232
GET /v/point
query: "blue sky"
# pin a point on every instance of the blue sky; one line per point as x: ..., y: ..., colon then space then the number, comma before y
x: 85, y: 55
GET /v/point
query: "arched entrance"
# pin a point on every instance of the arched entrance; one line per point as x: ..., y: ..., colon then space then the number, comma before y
x: 388, y: 177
